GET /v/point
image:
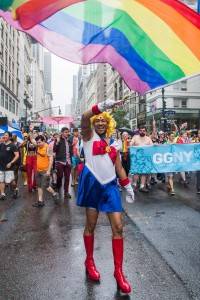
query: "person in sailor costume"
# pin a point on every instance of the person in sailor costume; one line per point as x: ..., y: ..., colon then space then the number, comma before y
x: 98, y: 190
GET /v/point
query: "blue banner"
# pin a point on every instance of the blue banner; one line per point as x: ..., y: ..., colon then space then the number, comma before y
x: 164, y: 158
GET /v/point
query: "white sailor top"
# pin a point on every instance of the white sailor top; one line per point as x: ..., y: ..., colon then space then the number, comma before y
x: 100, y: 158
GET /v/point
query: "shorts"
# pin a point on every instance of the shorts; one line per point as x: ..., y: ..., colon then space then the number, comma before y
x: 6, y: 176
x: 42, y: 180
x: 75, y: 161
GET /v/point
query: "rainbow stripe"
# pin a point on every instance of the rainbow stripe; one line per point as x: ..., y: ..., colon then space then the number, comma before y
x: 31, y: 12
x: 150, y: 43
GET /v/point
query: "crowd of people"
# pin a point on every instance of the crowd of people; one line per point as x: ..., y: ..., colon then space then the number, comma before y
x: 48, y: 160
x: 144, y: 182
x: 97, y: 160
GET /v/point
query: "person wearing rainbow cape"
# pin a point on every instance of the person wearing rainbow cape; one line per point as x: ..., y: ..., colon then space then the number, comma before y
x: 98, y: 190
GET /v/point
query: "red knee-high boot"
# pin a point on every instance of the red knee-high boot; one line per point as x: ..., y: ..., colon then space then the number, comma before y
x: 118, y: 250
x: 91, y: 270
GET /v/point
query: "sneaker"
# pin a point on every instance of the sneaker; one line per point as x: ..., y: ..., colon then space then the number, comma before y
x: 144, y: 190
x: 56, y: 198
x: 198, y: 192
x: 25, y: 183
x: 15, y: 194
x: 67, y: 195
x: 38, y: 204
x: 172, y: 193
x: 2, y: 197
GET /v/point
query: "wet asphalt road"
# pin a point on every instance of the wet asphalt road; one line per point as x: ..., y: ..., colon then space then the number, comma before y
x: 42, y: 256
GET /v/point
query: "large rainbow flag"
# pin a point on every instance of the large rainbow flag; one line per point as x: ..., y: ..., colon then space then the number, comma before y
x: 149, y: 42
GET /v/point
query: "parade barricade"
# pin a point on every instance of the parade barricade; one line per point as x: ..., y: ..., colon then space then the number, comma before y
x: 164, y: 158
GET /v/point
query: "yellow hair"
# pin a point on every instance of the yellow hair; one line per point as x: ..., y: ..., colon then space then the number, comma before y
x: 111, y: 122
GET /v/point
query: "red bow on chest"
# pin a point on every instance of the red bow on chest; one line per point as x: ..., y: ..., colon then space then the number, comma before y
x: 101, y: 148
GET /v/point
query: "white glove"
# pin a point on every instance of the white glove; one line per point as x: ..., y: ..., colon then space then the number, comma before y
x: 130, y: 196
x: 109, y: 103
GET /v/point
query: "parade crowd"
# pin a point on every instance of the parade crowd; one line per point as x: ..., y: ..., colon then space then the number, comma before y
x: 45, y: 159
x: 97, y: 160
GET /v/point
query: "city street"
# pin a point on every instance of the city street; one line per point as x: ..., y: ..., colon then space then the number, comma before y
x: 42, y: 253
x: 100, y: 108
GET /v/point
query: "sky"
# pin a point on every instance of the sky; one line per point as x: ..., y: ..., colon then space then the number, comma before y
x: 62, y: 81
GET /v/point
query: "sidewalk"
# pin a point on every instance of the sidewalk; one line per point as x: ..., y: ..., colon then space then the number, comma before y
x: 173, y: 228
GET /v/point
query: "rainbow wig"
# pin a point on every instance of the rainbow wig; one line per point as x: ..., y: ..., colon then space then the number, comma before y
x: 111, y: 122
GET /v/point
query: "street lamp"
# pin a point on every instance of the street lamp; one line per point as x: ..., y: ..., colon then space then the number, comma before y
x: 26, y: 103
x: 58, y: 106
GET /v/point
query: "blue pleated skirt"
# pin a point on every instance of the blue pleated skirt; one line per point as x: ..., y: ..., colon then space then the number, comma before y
x: 93, y: 194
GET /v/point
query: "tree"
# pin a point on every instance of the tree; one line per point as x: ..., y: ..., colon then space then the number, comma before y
x: 121, y: 119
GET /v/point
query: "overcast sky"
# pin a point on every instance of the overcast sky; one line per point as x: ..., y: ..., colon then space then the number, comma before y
x: 62, y: 76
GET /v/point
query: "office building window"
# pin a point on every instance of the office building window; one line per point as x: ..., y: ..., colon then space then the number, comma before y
x: 1, y: 73
x: 176, y: 103
x: 184, y: 103
x: 6, y: 78
x: 184, y: 85
x: 17, y: 108
x: 6, y: 101
x: 2, y: 32
x: 180, y: 103
x: 10, y: 104
x: 2, y: 98
x: 1, y: 51
x: 13, y: 86
x: 13, y: 106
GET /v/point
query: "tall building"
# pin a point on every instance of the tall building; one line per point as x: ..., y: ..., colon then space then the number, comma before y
x: 180, y: 101
x: 38, y: 91
x: 91, y: 90
x: 9, y: 70
x: 75, y: 94
x: 83, y: 74
x: 25, y: 81
x: 47, y: 72
x: 41, y: 81
x: 15, y: 66
x: 68, y: 109
x: 101, y: 78
x: 48, y: 81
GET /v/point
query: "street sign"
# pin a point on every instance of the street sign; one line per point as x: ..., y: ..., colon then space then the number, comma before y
x: 170, y: 112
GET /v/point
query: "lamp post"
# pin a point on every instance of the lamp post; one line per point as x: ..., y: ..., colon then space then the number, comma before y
x: 26, y: 97
x: 58, y: 106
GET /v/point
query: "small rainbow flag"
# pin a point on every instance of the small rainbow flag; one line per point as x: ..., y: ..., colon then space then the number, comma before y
x: 150, y: 43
